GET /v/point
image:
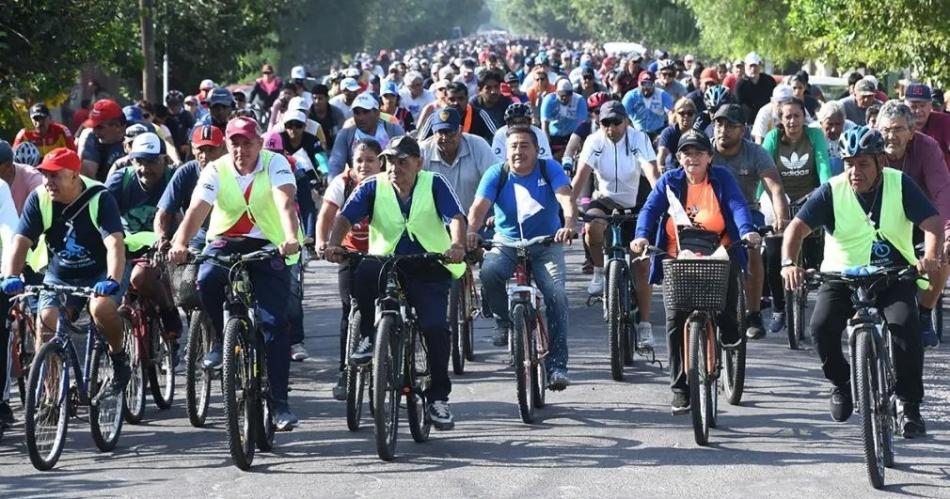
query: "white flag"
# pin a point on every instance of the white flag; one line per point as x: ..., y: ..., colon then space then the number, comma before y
x: 525, y: 204
x: 676, y: 210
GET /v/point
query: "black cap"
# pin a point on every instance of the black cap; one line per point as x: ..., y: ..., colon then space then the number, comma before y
x: 39, y: 109
x: 587, y: 71
x: 732, y: 113
x: 612, y: 109
x: 402, y: 147
x: 511, y: 78
x: 694, y: 138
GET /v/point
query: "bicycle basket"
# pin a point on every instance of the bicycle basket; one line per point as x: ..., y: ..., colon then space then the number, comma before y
x: 695, y: 284
x: 185, y: 284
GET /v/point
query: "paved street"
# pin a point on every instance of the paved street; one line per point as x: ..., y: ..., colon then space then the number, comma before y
x: 599, y: 438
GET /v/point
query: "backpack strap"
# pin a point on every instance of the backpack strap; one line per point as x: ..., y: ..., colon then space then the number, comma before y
x: 505, y: 170
x: 76, y: 207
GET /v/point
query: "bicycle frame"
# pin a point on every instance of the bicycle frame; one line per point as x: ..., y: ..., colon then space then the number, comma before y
x: 866, y: 314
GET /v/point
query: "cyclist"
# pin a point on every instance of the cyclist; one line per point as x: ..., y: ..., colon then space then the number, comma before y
x: 767, y: 118
x: 712, y: 199
x: 103, y: 146
x: 78, y: 222
x: 474, y: 120
x: 391, y: 105
x: 366, y: 164
x: 707, y: 79
x: 346, y: 99
x: 460, y: 158
x: 328, y: 117
x: 588, y: 84
x: 863, y: 95
x: 647, y: 106
x: 266, y: 88
x: 831, y: 119
x: 27, y: 153
x: 714, y: 97
x: 368, y: 125
x: 8, y: 223
x: 220, y: 104
x: 666, y: 80
x: 512, y: 88
x: 561, y: 112
x: 414, y: 96
x: 519, y: 114
x: 624, y: 164
x: 580, y: 134
x: 46, y: 134
x: 408, y: 210
x: 489, y: 98
x: 239, y: 224
x: 527, y: 192
x: 869, y: 213
x: 920, y: 157
x: 919, y: 98
x: 753, y: 90
x: 684, y: 117
x: 21, y: 179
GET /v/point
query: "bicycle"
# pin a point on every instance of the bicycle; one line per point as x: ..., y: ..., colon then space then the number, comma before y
x: 21, y: 322
x: 153, y: 352
x: 797, y: 300
x: 201, y: 338
x: 464, y: 307
x: 359, y: 377
x: 872, y: 362
x: 528, y: 341
x: 248, y: 404
x: 52, y: 395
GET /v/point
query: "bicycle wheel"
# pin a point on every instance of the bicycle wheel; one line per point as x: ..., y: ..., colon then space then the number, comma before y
x: 698, y: 376
x: 25, y: 348
x: 733, y: 360
x: 631, y: 317
x: 471, y: 308
x: 456, y: 318
x: 105, y: 417
x: 161, y: 369
x: 615, y: 331
x: 197, y: 378
x: 264, y: 404
x: 539, y: 386
x: 869, y: 405
x: 521, y: 345
x: 938, y: 317
x: 792, y: 316
x: 239, y: 412
x: 889, y: 412
x: 355, y: 376
x: 47, y: 406
x: 419, y: 423
x: 134, y: 405
x: 386, y: 390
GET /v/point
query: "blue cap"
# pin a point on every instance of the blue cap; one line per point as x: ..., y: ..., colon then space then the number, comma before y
x: 389, y: 88
x: 133, y: 114
x: 918, y: 92
x: 222, y: 96
x: 446, y: 119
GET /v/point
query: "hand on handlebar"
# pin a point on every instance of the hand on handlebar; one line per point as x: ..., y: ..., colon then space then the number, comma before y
x: 12, y: 285
x: 929, y: 266
x: 289, y: 247
x: 778, y: 226
x: 565, y: 235
x: 473, y: 239
x: 793, y: 276
x: 334, y: 254
x: 753, y: 238
x: 178, y: 254
x: 455, y: 254
x: 639, y: 245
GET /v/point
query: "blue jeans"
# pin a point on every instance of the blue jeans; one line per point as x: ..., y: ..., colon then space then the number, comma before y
x: 295, y: 312
x: 308, y: 211
x: 270, y: 280
x: 548, y: 271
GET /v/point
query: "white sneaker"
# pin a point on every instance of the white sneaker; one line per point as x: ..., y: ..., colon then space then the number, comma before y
x: 596, y: 286
x: 644, y: 335
x: 298, y: 352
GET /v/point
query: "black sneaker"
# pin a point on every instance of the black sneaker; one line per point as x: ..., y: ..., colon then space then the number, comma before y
x: 500, y: 337
x: 339, y: 390
x: 363, y: 353
x: 6, y: 415
x: 441, y: 415
x: 756, y: 330
x: 121, y: 374
x: 680, y: 403
x: 911, y: 423
x: 841, y: 404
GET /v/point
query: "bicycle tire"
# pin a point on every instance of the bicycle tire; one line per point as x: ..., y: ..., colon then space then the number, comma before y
x: 615, y: 330
x: 161, y: 370
x: 631, y: 315
x: 264, y: 410
x: 938, y: 317
x: 238, y: 413
x: 134, y: 405
x: 539, y: 387
x: 868, y: 407
x: 468, y: 334
x: 105, y: 417
x: 699, y: 399
x: 791, y: 314
x: 197, y: 379
x: 416, y: 414
x: 889, y: 417
x: 386, y: 389
x: 734, y: 360
x: 42, y: 459
x: 456, y: 312
x: 522, y: 360
x: 26, y: 347
x: 355, y: 376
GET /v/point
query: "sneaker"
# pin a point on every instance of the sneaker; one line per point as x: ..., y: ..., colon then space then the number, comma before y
x: 363, y: 353
x: 777, y: 324
x: 441, y: 415
x: 644, y: 335
x: 755, y: 330
x: 500, y: 337
x: 298, y: 352
x: 121, y: 374
x: 911, y: 424
x: 339, y: 389
x: 928, y: 333
x: 841, y: 404
x: 680, y: 403
x: 6, y: 415
x: 596, y: 286
x: 285, y: 419
x: 732, y: 346
x: 558, y: 380
x: 214, y: 358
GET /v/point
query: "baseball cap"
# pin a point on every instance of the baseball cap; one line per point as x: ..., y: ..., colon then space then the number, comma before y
x: 191, y: 99
x: 753, y: 58
x: 587, y: 71
x: 60, y: 158
x: 103, y: 110
x: 865, y: 86
x: 402, y: 147
x: 6, y: 152
x: 918, y: 92
x: 782, y: 93
x: 133, y: 131
x: 273, y: 142
x: 206, y: 85
x: 294, y: 115
x: 694, y: 138
x: 350, y: 84
x: 39, y: 109
x: 442, y: 84
x: 351, y: 73
x: 645, y: 76
x: 709, y: 74
x: 446, y: 119
x: 146, y: 146
x: 364, y: 101
x: 133, y: 114
x: 299, y: 103
x: 207, y: 135
x: 242, y: 127
x: 612, y: 109
x: 732, y: 113
x: 389, y: 88
x: 511, y: 78
x: 220, y: 96
x: 298, y: 73
x: 564, y: 87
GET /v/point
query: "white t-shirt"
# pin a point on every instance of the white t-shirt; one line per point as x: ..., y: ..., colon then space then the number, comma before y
x: 339, y: 102
x: 618, y: 166
x: 499, y: 143
x: 207, y: 188
x: 415, y: 105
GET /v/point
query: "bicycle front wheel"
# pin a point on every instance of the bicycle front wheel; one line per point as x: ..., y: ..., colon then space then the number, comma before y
x: 264, y: 404
x: 700, y: 400
x: 161, y: 369
x: 134, y: 405
x: 792, y: 317
x: 47, y: 406
x: 25, y: 349
x: 197, y: 378
x: 105, y: 417
x: 386, y: 388
x: 355, y: 375
x: 457, y: 314
x: 615, y: 323
x: 521, y: 345
x: 239, y: 406
x: 870, y: 406
x: 733, y: 364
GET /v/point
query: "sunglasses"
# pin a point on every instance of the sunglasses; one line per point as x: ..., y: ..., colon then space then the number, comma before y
x: 294, y: 125
x: 611, y: 122
x: 588, y: 77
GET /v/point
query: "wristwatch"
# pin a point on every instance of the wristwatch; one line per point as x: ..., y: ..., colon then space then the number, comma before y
x: 787, y: 262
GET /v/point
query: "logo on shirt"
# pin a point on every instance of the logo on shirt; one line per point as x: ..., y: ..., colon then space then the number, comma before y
x: 880, y: 250
x: 795, y: 164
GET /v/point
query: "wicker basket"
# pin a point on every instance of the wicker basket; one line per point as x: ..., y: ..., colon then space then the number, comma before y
x: 695, y: 284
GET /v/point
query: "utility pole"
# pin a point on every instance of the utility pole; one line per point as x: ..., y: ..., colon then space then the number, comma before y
x: 149, y: 83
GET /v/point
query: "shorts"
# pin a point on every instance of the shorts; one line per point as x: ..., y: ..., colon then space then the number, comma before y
x: 51, y: 300
x: 627, y: 228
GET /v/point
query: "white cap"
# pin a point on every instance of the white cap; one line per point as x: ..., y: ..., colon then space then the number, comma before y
x: 446, y: 72
x: 782, y: 93
x: 298, y: 73
x: 300, y: 102
x: 753, y: 58
x: 206, y: 85
x: 146, y: 146
x: 365, y: 101
x: 350, y: 84
x: 565, y: 87
x: 411, y: 77
x: 352, y: 73
x: 294, y: 115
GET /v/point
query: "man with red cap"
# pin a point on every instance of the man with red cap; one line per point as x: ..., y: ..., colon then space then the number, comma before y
x: 252, y: 192
x: 103, y: 146
x: 76, y: 222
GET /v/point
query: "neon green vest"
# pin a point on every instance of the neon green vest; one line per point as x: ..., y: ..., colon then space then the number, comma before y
x: 39, y: 257
x: 230, y: 205
x: 137, y: 241
x: 423, y: 225
x: 850, y: 246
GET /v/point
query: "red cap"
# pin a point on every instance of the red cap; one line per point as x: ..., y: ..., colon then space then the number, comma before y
x: 103, y: 110
x: 709, y: 74
x: 60, y: 158
x: 645, y: 76
x: 242, y: 126
x: 207, y: 135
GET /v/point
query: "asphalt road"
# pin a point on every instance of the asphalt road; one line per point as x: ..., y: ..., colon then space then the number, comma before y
x: 599, y: 438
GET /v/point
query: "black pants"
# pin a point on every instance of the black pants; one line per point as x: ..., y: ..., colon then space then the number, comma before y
x: 812, y: 249
x: 727, y: 321
x: 898, y: 303
x: 345, y: 280
x: 6, y: 355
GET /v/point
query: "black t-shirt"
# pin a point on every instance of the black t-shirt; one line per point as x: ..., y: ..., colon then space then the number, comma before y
x: 584, y: 129
x: 496, y: 112
x: 308, y: 143
x: 753, y: 96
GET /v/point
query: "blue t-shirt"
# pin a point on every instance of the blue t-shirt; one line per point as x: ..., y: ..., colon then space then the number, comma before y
x: 648, y: 114
x: 360, y: 206
x: 563, y: 118
x: 78, y: 253
x: 177, y: 196
x: 670, y: 139
x: 102, y: 154
x: 136, y: 205
x: 530, y: 195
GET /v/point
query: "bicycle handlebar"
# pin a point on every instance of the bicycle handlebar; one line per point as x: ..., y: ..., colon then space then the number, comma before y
x: 617, y: 216
x: 857, y: 276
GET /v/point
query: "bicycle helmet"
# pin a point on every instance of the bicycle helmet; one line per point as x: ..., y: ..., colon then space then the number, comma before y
x: 518, y: 110
x: 174, y: 97
x: 716, y: 96
x: 666, y: 64
x: 860, y: 140
x: 26, y: 153
x: 597, y: 99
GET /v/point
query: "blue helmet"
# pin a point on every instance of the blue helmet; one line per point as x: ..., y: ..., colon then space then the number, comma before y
x: 716, y: 96
x: 860, y: 140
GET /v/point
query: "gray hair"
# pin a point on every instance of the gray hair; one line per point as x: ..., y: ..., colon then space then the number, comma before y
x: 894, y: 109
x: 411, y: 77
x: 830, y: 110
